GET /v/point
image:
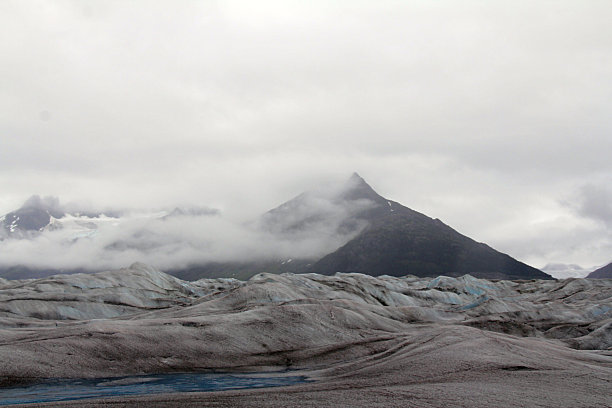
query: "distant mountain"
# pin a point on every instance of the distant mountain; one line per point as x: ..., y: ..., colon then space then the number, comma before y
x: 346, y: 228
x: 565, y: 271
x: 191, y: 212
x: 375, y: 236
x: 326, y: 218
x: 400, y: 241
x: 33, y: 216
x: 602, y: 273
x: 344, y: 211
x: 43, y: 222
x: 40, y: 213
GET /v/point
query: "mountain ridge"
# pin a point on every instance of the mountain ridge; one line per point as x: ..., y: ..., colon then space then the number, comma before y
x: 388, y: 239
x: 400, y: 241
x: 347, y: 228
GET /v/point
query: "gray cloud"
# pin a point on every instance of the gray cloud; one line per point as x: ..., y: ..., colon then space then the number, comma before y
x: 176, y: 239
x: 49, y: 202
x: 593, y: 201
x: 484, y: 114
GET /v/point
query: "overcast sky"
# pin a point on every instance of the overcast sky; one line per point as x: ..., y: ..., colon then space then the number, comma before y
x: 494, y: 116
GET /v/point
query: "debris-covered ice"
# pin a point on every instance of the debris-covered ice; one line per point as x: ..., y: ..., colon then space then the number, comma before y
x: 140, y: 320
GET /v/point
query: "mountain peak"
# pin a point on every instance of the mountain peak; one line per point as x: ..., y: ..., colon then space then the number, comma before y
x: 34, y: 215
x: 356, y: 181
x: 48, y: 203
x: 357, y: 188
x: 356, y: 176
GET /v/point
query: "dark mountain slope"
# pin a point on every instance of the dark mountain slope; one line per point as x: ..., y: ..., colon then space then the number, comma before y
x: 349, y: 228
x: 602, y: 273
x: 33, y: 216
x: 376, y: 236
x: 400, y: 241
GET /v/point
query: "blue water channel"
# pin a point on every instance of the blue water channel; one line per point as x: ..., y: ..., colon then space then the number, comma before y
x: 75, y: 389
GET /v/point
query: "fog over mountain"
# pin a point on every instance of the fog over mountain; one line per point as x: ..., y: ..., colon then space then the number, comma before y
x: 344, y: 228
x: 173, y: 238
x: 564, y: 271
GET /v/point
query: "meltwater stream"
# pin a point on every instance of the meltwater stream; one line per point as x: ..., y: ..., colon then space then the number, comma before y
x: 74, y: 389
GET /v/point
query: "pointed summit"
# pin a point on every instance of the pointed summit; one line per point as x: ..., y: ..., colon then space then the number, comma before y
x: 340, y: 211
x: 351, y: 228
x: 356, y: 176
x: 33, y: 216
x: 356, y: 180
x: 356, y: 188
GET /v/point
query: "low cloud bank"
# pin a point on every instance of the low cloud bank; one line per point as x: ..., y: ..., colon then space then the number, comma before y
x: 311, y: 226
